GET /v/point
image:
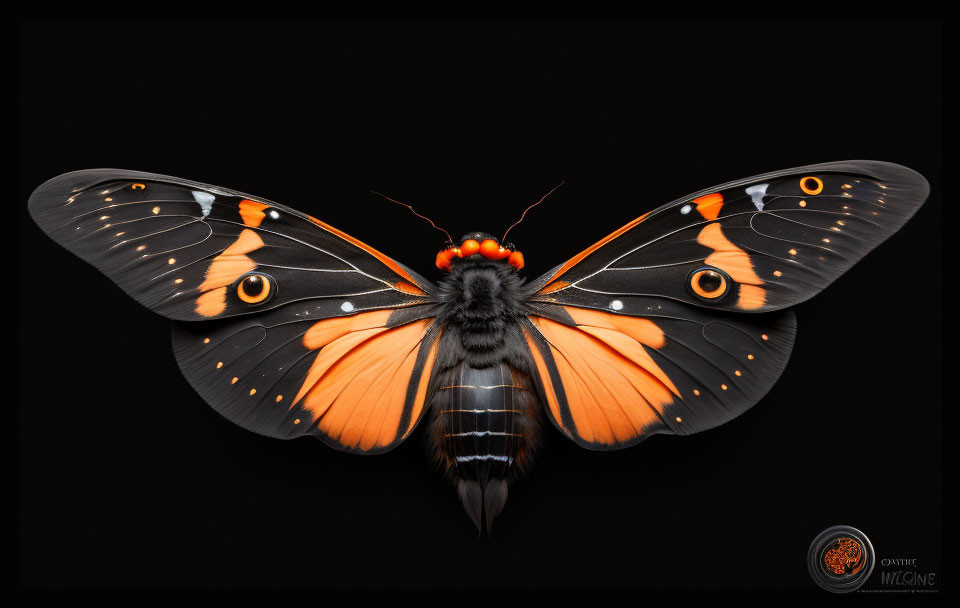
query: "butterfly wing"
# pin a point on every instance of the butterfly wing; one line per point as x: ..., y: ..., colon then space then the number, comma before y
x: 290, y: 327
x: 675, y: 322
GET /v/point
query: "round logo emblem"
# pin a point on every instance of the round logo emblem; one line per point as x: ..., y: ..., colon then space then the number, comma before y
x: 840, y: 559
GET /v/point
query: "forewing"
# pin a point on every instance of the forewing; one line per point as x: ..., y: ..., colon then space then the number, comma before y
x: 779, y: 238
x: 182, y: 248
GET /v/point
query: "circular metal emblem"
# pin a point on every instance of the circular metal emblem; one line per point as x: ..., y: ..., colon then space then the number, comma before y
x: 841, y: 559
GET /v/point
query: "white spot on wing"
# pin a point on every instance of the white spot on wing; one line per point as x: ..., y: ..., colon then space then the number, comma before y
x: 274, y: 215
x: 685, y: 209
x: 757, y: 193
x: 346, y: 307
x: 616, y: 305
x: 205, y: 200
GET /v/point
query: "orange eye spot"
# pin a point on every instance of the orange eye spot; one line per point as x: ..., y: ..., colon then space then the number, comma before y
x: 469, y: 247
x: 516, y: 260
x: 811, y: 185
x: 708, y: 284
x: 138, y: 187
x: 491, y: 250
x: 254, y: 289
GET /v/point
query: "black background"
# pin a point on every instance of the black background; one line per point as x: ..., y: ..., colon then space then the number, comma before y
x: 126, y: 479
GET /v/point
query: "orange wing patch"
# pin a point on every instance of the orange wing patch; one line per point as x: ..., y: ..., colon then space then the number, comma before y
x: 615, y: 391
x: 251, y: 212
x: 709, y: 205
x: 226, y: 268
x: 356, y: 388
x: 735, y: 262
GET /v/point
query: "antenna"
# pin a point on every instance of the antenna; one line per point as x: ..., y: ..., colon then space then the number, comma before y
x: 542, y: 198
x: 410, y: 207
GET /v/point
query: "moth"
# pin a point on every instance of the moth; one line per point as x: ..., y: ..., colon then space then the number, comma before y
x: 673, y: 324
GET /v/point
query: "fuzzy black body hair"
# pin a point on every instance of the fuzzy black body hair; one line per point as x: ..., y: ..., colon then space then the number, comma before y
x: 484, y: 409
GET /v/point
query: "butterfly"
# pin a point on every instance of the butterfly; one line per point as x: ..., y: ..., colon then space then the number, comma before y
x: 675, y: 323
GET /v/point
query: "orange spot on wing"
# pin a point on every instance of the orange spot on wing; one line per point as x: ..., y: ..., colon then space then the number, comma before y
x: 251, y: 212
x: 709, y: 205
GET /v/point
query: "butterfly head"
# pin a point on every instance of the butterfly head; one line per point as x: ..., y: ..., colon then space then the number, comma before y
x: 479, y: 244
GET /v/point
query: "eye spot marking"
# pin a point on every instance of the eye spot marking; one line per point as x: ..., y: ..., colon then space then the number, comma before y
x: 279, y: 398
x: 802, y: 203
x: 347, y: 307
x: 616, y: 305
x: 234, y: 381
x: 253, y: 392
x: 172, y: 261
x: 685, y: 209
x: 811, y: 185
x: 219, y: 364
x: 254, y: 288
x: 708, y: 284
x: 156, y: 210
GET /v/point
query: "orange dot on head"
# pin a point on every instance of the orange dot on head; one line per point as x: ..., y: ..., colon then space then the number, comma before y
x: 490, y: 249
x: 516, y: 260
x: 469, y: 247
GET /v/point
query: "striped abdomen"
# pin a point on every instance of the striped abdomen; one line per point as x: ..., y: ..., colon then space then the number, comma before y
x: 484, y: 431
